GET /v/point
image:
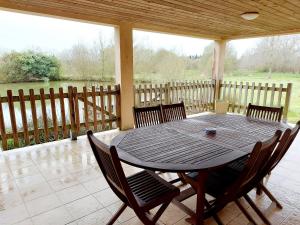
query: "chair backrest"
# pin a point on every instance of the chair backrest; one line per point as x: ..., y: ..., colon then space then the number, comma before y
x: 285, y: 142
x: 264, y: 112
x: 147, y: 116
x: 173, y: 112
x: 110, y: 165
x: 256, y: 163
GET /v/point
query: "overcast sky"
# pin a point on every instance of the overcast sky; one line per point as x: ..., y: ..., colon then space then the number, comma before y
x: 22, y: 32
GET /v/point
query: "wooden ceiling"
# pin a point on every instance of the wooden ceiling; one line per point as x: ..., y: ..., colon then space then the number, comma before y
x: 213, y: 19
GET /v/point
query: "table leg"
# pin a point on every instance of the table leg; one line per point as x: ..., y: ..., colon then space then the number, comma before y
x: 198, y: 219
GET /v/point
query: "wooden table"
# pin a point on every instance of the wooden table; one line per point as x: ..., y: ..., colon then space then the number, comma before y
x: 183, y: 146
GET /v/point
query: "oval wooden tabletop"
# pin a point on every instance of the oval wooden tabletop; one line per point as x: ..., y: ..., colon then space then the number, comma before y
x: 183, y: 145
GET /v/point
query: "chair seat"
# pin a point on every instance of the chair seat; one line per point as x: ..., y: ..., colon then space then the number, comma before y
x: 238, y: 165
x: 150, y: 190
x: 218, y: 181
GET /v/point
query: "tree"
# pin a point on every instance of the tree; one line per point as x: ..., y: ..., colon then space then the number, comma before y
x: 29, y: 66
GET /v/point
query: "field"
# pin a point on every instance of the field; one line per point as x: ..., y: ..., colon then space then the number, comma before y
x: 284, y: 78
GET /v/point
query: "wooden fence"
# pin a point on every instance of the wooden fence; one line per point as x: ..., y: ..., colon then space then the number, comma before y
x: 43, y: 117
x: 51, y: 116
x: 239, y: 95
x: 198, y: 96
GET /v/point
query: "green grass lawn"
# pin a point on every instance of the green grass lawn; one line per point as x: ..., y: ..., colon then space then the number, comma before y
x: 278, y: 78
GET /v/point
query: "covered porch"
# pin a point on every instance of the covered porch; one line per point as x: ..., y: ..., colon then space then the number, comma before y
x: 60, y: 182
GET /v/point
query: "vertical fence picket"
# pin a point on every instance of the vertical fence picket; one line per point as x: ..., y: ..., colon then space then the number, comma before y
x: 94, y: 108
x: 109, y: 106
x: 240, y: 97
x: 265, y: 94
x: 245, y: 98
x: 279, y: 95
x: 62, y: 113
x: 34, y: 116
x: 258, y: 94
x: 102, y: 107
x: 85, y: 108
x: 44, y: 114
x: 24, y: 117
x: 76, y: 109
x: 2, y: 127
x: 11, y: 107
x: 53, y: 112
x: 272, y: 95
x: 72, y: 112
x: 118, y: 105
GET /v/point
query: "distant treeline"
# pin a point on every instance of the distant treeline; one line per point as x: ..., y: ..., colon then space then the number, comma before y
x: 96, y: 62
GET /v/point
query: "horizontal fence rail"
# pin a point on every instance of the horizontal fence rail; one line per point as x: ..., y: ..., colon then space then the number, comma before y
x: 239, y: 95
x: 42, y: 117
x: 198, y: 96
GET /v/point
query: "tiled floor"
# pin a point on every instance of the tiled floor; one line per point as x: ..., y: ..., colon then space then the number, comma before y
x: 60, y: 183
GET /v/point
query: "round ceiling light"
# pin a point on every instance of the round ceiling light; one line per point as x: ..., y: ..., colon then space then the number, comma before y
x: 250, y: 15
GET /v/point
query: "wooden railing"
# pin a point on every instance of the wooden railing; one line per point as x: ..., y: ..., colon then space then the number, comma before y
x: 239, y: 95
x: 197, y: 96
x: 44, y: 117
x: 200, y: 96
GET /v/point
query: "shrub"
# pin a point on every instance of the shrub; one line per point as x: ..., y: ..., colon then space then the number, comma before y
x: 29, y: 66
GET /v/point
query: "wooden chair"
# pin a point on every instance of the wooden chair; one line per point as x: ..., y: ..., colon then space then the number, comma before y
x: 147, y: 116
x: 173, y: 112
x: 227, y: 187
x: 281, y: 149
x: 264, y: 112
x: 141, y: 192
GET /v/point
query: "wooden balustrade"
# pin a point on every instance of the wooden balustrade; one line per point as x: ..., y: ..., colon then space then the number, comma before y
x: 198, y: 96
x: 43, y: 117
x: 239, y: 95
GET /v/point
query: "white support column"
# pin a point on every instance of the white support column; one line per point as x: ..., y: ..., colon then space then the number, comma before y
x: 218, y: 60
x: 124, y: 72
x: 218, y: 65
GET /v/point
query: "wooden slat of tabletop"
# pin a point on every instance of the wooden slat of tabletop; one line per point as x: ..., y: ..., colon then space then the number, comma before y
x: 183, y: 145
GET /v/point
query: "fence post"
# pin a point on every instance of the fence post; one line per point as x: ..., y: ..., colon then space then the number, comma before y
x: 217, y: 91
x: 73, y: 129
x: 167, y: 93
x: 118, y: 105
x: 287, y: 102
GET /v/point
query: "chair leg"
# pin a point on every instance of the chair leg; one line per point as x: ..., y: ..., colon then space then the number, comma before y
x: 160, y: 212
x: 215, y: 216
x: 257, y: 210
x: 258, y: 189
x: 245, y: 212
x: 117, y: 214
x: 269, y: 194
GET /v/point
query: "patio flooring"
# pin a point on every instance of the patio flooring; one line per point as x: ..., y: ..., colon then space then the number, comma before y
x: 60, y: 183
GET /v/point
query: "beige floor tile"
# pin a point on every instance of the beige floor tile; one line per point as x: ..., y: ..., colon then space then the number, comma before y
x: 125, y: 216
x: 42, y: 204
x: 72, y: 193
x: 30, y: 180
x: 13, y: 215
x: 136, y: 221
x: 30, y: 192
x: 106, y: 197
x: 25, y: 222
x: 83, y: 207
x: 172, y: 215
x: 63, y: 182
x: 57, y: 216
x: 25, y: 171
x: 10, y: 199
x: 96, y: 185
x: 100, y: 217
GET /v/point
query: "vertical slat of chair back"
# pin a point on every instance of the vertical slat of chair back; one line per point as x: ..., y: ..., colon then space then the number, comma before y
x: 285, y: 142
x: 173, y: 112
x: 109, y: 163
x: 147, y: 116
x: 257, y: 162
x: 264, y: 112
